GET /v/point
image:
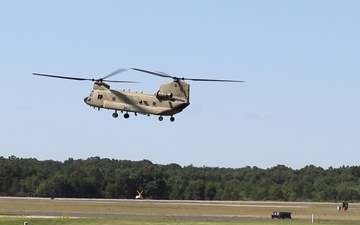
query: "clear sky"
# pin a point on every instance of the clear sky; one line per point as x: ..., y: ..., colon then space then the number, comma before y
x: 299, y: 105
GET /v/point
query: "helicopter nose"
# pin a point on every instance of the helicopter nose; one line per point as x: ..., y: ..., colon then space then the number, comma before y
x: 85, y: 99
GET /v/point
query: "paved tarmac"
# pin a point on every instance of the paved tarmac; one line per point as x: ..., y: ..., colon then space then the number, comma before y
x: 247, y: 204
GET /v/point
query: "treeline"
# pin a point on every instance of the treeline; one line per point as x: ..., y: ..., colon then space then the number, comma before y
x: 109, y: 178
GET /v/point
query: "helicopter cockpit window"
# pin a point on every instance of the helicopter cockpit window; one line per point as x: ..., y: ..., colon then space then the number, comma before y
x: 100, y: 97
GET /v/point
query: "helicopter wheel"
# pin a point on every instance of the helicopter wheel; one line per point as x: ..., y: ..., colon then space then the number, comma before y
x: 115, y: 114
x: 161, y: 118
x: 126, y: 115
x: 172, y: 119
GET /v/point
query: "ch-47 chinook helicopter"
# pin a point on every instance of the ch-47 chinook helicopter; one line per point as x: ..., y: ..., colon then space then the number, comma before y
x: 169, y: 100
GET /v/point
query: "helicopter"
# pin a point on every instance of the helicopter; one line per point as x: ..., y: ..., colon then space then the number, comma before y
x: 171, y: 98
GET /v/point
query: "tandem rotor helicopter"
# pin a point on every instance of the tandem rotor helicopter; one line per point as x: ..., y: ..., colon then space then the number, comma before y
x: 169, y: 100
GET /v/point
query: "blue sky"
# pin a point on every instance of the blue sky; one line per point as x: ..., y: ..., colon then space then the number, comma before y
x: 298, y: 106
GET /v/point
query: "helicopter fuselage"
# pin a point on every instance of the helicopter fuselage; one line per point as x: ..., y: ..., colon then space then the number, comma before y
x: 164, y: 102
x: 169, y: 100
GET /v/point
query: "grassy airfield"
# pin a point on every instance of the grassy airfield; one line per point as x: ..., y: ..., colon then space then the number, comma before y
x: 108, y: 212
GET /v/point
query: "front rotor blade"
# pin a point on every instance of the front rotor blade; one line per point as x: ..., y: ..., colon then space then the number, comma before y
x: 80, y: 78
x: 62, y: 77
x: 114, y: 73
x: 120, y: 81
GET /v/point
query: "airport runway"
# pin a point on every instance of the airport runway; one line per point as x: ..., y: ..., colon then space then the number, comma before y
x: 237, y: 206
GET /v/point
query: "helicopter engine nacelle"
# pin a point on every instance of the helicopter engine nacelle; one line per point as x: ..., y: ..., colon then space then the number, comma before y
x: 163, y: 95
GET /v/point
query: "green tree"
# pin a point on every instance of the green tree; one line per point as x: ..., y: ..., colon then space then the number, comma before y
x: 210, y: 191
x: 195, y: 190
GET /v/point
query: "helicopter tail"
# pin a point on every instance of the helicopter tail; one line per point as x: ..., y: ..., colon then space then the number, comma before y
x: 176, y: 90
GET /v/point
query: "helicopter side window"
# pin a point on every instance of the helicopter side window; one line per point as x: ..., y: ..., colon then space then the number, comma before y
x: 100, y: 97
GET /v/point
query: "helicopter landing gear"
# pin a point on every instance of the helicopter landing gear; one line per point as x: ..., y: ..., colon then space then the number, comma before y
x: 172, y: 119
x: 126, y: 115
x: 115, y: 114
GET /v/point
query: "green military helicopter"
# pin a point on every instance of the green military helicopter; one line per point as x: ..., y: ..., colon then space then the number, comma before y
x: 169, y: 100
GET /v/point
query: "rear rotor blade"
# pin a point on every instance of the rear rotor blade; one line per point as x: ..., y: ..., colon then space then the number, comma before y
x: 160, y: 74
x: 153, y: 73
x: 215, y: 80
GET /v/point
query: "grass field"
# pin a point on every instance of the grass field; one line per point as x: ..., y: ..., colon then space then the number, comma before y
x: 68, y: 221
x: 109, y: 212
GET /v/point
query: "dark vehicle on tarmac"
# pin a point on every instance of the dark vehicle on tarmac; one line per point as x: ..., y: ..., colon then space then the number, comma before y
x: 281, y: 215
